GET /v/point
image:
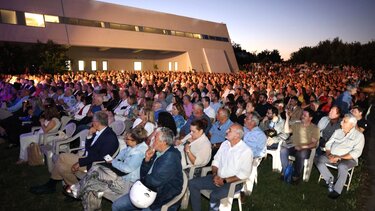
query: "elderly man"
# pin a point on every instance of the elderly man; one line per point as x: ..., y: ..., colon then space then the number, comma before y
x: 224, y: 172
x: 305, y: 137
x: 198, y: 113
x: 161, y: 171
x: 254, y: 137
x: 219, y: 128
x: 343, y: 149
x: 101, y: 141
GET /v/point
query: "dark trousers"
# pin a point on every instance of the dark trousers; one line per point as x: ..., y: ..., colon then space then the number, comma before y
x: 300, y: 156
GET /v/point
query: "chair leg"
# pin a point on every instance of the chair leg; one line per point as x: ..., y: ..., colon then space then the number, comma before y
x: 350, y: 174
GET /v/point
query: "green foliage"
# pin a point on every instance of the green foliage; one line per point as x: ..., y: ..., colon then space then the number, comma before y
x: 245, y: 58
x: 35, y: 58
x: 336, y: 52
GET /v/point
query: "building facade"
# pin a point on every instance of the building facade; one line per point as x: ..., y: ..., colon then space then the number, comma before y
x: 104, y: 36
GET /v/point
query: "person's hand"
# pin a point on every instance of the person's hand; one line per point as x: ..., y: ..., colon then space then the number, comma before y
x: 92, y: 131
x: 218, y: 181
x: 287, y: 113
x: 187, y: 148
x: 178, y: 142
x: 298, y: 148
x: 75, y: 167
x: 41, y: 120
x: 149, y: 153
x: 270, y: 141
x: 333, y: 158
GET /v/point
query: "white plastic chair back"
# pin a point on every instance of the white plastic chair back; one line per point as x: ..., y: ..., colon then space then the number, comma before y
x: 70, y: 129
x: 178, y: 197
x: 64, y: 120
x: 118, y: 127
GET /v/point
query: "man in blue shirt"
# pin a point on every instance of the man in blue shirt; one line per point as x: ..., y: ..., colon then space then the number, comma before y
x: 219, y: 128
x: 254, y: 137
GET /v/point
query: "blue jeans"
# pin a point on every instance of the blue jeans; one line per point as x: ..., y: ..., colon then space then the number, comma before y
x: 300, y: 155
x: 206, y: 183
x: 124, y: 203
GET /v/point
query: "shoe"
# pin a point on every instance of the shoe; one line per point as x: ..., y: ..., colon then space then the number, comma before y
x: 10, y: 146
x: 296, y: 180
x: 333, y: 195
x: 69, y: 192
x: 42, y: 189
x: 20, y: 162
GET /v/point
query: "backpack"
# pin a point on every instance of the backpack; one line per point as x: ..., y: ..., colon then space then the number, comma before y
x: 288, y: 173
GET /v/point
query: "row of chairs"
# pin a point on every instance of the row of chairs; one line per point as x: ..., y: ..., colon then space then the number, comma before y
x: 308, y: 165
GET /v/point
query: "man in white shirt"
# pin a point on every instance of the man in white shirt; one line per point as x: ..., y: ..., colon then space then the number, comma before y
x: 120, y: 109
x: 343, y: 149
x: 231, y: 163
x: 208, y: 110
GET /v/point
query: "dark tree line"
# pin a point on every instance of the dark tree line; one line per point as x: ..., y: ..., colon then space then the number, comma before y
x: 40, y: 57
x: 336, y: 52
x: 245, y: 58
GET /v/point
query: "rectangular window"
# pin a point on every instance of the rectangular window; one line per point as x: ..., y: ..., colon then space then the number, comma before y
x: 51, y: 19
x: 68, y: 65
x: 187, y: 34
x: 93, y: 66
x: 8, y: 16
x: 197, y: 36
x: 81, y: 65
x: 176, y: 66
x: 181, y: 34
x: 105, y: 65
x: 137, y: 65
x: 153, y: 30
x: 35, y: 20
x: 170, y: 66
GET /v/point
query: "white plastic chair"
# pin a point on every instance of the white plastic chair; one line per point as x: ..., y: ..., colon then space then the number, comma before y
x: 276, y: 161
x: 253, y: 179
x: 47, y: 149
x: 225, y: 203
x: 118, y: 127
x: 185, y: 199
x: 307, y: 165
x: 350, y: 175
x: 178, y: 197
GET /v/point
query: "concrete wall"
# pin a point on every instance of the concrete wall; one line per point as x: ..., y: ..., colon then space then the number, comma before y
x: 74, y: 35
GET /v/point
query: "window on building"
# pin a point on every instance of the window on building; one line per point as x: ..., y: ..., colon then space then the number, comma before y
x: 35, y: 20
x: 197, y: 36
x: 137, y: 65
x: 81, y: 65
x: 8, y: 16
x: 105, y: 65
x: 51, y: 19
x: 170, y: 66
x: 94, y: 66
x: 187, y: 34
x: 176, y: 66
x: 181, y: 34
x: 68, y: 65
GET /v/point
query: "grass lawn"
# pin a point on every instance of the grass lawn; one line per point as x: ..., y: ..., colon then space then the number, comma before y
x: 269, y: 194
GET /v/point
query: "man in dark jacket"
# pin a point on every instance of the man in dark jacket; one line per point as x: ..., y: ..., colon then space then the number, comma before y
x: 161, y: 172
x: 101, y: 141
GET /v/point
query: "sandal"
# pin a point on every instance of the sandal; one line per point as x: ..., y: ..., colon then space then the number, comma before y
x: 69, y: 190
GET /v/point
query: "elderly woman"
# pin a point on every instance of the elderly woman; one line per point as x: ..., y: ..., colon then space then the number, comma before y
x: 49, y: 122
x: 114, y: 178
x: 196, y: 148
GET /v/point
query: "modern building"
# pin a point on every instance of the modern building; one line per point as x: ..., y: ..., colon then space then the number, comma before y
x: 103, y: 36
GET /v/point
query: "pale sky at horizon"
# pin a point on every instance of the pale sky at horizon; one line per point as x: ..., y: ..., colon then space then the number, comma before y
x: 285, y: 25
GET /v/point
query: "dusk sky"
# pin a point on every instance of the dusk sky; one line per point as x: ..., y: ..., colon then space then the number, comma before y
x: 286, y: 25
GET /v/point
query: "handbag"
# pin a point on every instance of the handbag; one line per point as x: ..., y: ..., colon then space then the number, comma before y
x: 34, y: 155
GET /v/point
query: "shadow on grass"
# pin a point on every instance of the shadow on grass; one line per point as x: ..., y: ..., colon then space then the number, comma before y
x: 269, y: 194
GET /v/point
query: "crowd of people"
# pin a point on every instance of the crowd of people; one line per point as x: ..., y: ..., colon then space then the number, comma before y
x: 176, y: 120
